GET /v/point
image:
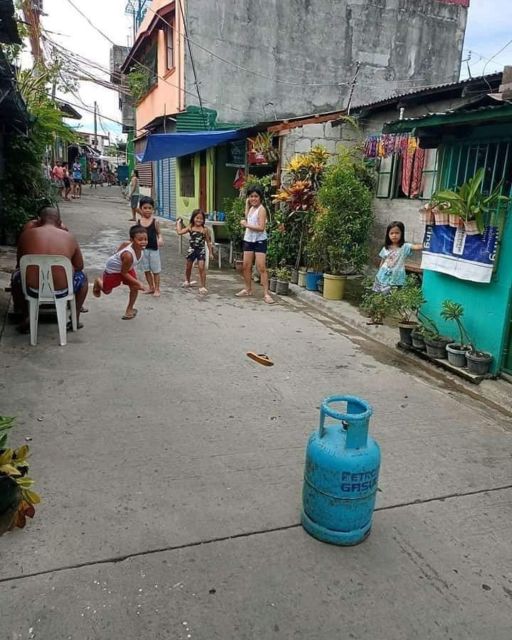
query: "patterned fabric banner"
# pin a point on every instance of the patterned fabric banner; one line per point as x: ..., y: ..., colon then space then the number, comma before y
x: 463, y: 3
x: 449, y: 250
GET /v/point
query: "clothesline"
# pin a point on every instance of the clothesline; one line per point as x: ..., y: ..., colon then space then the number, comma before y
x: 388, y: 144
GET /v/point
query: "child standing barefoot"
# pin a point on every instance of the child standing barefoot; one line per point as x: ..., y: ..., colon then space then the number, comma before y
x: 120, y: 268
x: 199, y: 238
x: 151, y: 258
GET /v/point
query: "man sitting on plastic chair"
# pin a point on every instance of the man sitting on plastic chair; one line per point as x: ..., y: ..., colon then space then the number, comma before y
x: 49, y: 239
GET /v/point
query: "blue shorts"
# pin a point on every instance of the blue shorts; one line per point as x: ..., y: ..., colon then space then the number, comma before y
x: 134, y: 202
x: 256, y: 247
x: 79, y: 279
x: 151, y: 261
x: 196, y: 254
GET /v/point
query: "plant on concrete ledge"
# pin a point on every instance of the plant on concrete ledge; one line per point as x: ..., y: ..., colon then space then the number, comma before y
x: 374, y: 303
x: 464, y: 352
x: 405, y: 303
x: 17, y: 499
x: 283, y: 275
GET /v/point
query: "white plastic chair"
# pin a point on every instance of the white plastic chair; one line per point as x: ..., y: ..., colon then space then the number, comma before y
x: 220, y: 244
x: 46, y: 293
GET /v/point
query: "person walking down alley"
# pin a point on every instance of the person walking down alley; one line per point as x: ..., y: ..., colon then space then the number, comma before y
x: 120, y: 269
x: 151, y: 262
x: 77, y: 180
x: 134, y: 194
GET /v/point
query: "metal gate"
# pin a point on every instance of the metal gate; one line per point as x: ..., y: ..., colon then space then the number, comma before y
x: 166, y: 188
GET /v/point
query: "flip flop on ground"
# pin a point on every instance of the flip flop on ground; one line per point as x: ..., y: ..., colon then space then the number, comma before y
x: 129, y: 316
x: 243, y: 294
x: 261, y: 358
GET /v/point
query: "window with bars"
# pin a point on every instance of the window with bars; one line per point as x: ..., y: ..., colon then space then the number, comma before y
x: 187, y: 177
x: 461, y: 162
x: 391, y: 182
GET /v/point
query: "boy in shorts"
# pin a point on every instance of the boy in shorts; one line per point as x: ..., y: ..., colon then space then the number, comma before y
x: 151, y: 260
x: 120, y: 269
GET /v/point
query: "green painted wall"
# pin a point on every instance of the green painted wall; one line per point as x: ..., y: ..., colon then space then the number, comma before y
x: 130, y: 151
x: 487, y: 307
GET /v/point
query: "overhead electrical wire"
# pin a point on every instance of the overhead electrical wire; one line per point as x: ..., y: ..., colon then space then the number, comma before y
x: 152, y: 71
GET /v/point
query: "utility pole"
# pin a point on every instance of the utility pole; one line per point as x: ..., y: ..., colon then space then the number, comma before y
x: 352, y: 87
x: 31, y: 13
x: 95, y: 124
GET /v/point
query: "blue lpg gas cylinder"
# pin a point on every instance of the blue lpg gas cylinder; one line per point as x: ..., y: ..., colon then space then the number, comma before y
x: 341, y: 474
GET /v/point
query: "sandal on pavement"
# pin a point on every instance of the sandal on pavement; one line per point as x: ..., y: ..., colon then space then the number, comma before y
x: 261, y: 358
x: 269, y: 299
x: 243, y: 294
x: 203, y: 290
x: 69, y: 326
x: 125, y: 317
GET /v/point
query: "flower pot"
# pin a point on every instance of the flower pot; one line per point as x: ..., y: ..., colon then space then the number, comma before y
x: 418, y: 341
x: 312, y: 278
x: 440, y: 216
x: 334, y: 287
x: 454, y: 220
x: 295, y: 276
x: 456, y: 354
x: 405, y: 329
x: 10, y: 498
x: 302, y: 278
x: 283, y: 287
x: 471, y: 228
x: 436, y: 347
x: 272, y: 284
x: 479, y: 363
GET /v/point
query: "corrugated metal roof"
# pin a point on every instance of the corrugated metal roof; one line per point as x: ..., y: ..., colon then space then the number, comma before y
x: 492, y: 78
x: 196, y: 119
x: 452, y: 116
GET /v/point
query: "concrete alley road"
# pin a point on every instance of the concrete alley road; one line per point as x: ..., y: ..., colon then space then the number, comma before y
x: 170, y: 467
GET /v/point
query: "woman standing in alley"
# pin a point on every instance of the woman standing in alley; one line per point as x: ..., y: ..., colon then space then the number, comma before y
x: 134, y: 194
x: 255, y: 243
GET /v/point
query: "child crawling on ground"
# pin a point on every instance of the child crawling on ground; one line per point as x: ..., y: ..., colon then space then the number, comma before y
x: 120, y: 269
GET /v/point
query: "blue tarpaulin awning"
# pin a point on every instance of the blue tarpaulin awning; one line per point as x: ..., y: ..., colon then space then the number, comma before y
x: 174, y: 145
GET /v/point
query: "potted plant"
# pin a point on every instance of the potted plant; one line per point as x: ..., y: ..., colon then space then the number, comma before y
x: 272, y: 282
x: 435, y: 343
x: 17, y: 499
x: 342, y: 225
x: 453, y: 312
x: 374, y: 303
x: 479, y: 362
x: 301, y: 280
x: 426, y: 215
x: 471, y: 204
x: 283, y: 281
x: 235, y: 212
x: 405, y: 303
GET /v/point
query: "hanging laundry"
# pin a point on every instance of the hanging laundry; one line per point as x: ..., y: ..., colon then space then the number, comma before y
x: 412, y: 170
x: 239, y: 180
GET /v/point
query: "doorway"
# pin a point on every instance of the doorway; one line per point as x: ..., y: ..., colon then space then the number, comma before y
x: 202, y: 182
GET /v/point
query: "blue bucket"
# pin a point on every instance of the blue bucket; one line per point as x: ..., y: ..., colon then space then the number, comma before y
x: 312, y: 280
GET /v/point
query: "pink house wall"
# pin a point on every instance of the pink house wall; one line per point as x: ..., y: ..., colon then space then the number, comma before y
x: 167, y: 96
